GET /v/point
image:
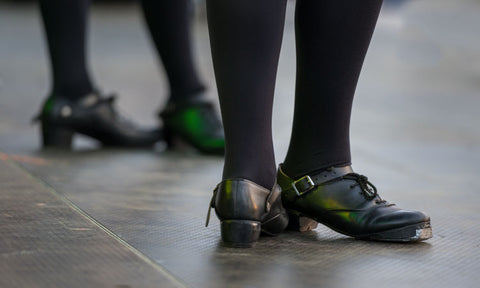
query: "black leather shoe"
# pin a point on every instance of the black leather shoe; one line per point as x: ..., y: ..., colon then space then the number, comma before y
x: 195, y: 122
x: 246, y: 209
x: 94, y: 116
x: 348, y: 203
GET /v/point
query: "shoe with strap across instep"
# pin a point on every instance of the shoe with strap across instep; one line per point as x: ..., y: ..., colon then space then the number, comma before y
x: 349, y: 204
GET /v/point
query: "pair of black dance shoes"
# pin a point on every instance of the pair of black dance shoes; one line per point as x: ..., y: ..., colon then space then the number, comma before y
x: 95, y: 115
x: 338, y: 198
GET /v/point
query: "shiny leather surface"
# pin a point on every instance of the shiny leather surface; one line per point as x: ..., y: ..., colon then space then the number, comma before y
x: 96, y: 117
x: 341, y: 204
x: 241, y: 199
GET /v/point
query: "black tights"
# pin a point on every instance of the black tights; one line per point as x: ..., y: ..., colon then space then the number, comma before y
x: 169, y: 22
x: 332, y: 38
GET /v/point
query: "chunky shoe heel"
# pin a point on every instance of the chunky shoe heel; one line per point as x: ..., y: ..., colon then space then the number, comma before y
x: 245, y: 210
x: 240, y: 233
x: 299, y: 222
x: 57, y: 137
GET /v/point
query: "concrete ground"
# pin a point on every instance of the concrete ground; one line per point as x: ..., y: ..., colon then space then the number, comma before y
x: 117, y: 218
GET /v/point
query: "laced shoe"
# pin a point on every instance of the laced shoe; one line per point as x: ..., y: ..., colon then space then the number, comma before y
x: 349, y: 204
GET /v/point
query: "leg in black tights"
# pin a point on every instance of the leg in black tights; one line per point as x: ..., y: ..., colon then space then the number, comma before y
x: 332, y: 38
x: 68, y: 110
x: 170, y: 23
x: 65, y: 27
x: 246, y: 36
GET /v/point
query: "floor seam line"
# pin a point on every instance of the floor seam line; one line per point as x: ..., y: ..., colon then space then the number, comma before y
x: 90, y: 218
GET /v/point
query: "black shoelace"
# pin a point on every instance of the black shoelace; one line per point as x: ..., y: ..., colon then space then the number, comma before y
x: 369, y: 191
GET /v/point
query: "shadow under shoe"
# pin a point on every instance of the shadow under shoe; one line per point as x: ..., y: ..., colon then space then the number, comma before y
x: 194, y: 121
x: 94, y: 116
x: 349, y: 204
x: 245, y: 210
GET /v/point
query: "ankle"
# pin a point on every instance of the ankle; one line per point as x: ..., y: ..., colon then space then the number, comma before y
x: 72, y: 96
x: 298, y: 171
x: 265, y: 177
x: 74, y: 92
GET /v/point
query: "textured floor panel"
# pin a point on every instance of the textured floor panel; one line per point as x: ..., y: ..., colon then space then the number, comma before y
x: 45, y: 242
x: 157, y: 204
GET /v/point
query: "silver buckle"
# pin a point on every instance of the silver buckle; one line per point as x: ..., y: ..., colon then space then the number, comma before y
x: 309, y: 181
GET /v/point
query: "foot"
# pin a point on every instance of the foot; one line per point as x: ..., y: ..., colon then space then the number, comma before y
x: 195, y: 122
x: 95, y: 116
x: 246, y: 209
x: 348, y: 203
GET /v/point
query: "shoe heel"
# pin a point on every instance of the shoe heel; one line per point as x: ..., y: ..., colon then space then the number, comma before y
x: 240, y: 233
x: 56, y: 137
x: 299, y: 222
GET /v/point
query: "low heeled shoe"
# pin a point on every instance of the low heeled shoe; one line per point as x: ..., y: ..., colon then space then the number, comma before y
x: 93, y: 115
x: 349, y: 204
x: 246, y: 210
x: 193, y: 121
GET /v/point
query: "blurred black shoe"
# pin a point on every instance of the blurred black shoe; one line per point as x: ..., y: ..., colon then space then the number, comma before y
x: 194, y: 121
x: 95, y: 116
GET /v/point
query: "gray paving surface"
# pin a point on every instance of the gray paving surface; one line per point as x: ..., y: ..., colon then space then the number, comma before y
x: 414, y: 132
x: 47, y: 242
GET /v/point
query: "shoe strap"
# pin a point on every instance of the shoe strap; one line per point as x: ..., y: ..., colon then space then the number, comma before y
x: 306, y: 183
x: 211, y: 205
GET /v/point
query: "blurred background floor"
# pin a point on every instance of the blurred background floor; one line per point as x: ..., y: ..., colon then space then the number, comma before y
x: 119, y: 218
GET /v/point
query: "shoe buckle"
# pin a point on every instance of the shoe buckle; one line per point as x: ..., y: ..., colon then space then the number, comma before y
x: 305, y: 184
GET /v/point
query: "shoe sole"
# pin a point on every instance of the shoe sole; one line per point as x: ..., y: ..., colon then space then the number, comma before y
x: 412, y: 233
